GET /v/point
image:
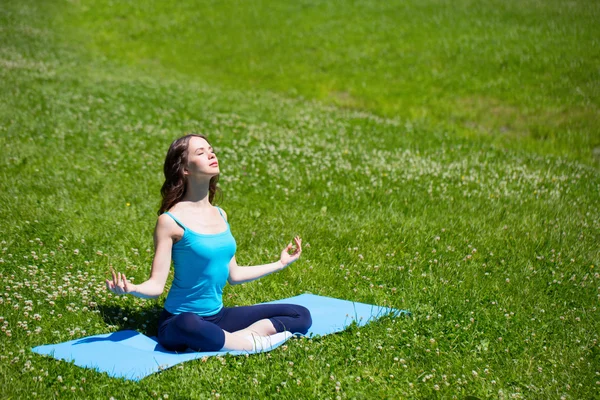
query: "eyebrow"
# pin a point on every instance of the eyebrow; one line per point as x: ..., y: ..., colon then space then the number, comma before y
x: 202, y: 148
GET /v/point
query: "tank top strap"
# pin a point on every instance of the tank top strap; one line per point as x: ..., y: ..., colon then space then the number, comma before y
x: 176, y: 220
x: 221, y: 212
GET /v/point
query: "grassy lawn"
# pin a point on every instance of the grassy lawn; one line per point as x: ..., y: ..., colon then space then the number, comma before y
x: 434, y: 157
x: 523, y: 72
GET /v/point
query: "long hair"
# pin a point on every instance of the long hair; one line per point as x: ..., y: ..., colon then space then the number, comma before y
x: 175, y: 185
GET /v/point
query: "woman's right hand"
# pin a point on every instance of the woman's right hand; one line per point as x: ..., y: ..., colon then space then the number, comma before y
x: 119, y: 283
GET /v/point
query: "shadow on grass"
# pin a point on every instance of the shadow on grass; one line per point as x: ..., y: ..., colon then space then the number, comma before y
x: 144, y: 320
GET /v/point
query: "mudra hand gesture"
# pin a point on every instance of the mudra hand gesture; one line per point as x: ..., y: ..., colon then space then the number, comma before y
x: 119, y: 283
x: 286, y: 258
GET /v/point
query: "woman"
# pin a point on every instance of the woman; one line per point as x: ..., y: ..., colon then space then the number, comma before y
x: 196, y: 235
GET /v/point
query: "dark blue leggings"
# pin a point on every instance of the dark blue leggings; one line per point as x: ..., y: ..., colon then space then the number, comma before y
x: 178, y: 332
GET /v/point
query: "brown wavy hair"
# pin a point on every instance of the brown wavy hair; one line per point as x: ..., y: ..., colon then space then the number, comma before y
x: 175, y: 185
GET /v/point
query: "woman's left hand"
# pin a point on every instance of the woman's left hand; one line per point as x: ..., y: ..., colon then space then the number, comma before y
x: 286, y: 258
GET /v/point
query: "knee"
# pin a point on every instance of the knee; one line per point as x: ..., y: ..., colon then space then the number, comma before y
x: 187, y: 322
x: 172, y: 334
x: 191, y: 331
x: 304, y: 319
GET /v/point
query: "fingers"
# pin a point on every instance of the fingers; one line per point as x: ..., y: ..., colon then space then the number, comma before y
x: 111, y: 287
x: 298, y: 249
x: 298, y: 244
x: 296, y: 253
x: 119, y: 284
x: 113, y: 275
x: 286, y: 257
x: 126, y: 285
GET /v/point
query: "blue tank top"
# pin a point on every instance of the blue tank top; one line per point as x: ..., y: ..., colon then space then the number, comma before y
x: 201, y: 263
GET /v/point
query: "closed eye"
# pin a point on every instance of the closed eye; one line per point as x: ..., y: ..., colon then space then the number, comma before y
x: 200, y: 153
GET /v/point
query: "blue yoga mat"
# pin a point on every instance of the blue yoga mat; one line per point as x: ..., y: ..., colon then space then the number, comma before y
x: 132, y: 355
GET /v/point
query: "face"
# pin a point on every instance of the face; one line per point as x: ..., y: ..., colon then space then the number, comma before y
x: 201, y: 159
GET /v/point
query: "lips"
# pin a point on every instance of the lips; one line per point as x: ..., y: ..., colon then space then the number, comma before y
x: 214, y: 164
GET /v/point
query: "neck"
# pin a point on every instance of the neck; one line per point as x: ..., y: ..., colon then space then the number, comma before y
x: 197, y: 193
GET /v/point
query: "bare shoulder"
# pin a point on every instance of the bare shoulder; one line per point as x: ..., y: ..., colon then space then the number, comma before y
x: 165, y: 225
x: 164, y: 220
x: 223, y: 211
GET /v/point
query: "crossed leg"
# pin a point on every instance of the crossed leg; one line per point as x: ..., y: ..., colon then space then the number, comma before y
x: 264, y: 327
x: 237, y: 342
x: 237, y: 328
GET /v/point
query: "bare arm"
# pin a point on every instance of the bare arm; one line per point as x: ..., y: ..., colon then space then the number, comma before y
x: 238, y: 274
x: 154, y: 286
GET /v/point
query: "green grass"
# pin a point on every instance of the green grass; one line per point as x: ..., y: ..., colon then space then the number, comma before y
x: 519, y: 71
x: 492, y: 244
